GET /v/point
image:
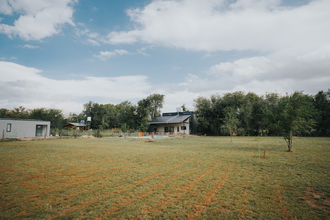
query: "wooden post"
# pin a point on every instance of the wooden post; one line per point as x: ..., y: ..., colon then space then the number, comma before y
x: 113, y: 134
x: 168, y: 134
x: 125, y: 135
x: 152, y: 135
x: 3, y: 135
x: 161, y: 134
x: 45, y: 134
x: 265, y: 154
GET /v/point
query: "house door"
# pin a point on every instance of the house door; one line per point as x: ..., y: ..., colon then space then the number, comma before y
x: 39, y: 130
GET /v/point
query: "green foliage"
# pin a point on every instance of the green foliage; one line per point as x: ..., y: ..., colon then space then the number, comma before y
x: 55, y: 116
x: 144, y: 124
x: 150, y: 106
x: 292, y: 115
x: 124, y: 128
x: 322, y: 105
x: 19, y: 112
x: 98, y: 133
x: 184, y: 108
x: 230, y: 121
x: 255, y: 112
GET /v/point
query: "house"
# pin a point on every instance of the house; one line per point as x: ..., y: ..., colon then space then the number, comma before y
x: 176, y: 122
x: 18, y: 128
x: 79, y: 126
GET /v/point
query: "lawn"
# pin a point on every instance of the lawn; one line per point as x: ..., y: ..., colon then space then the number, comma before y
x: 172, y: 178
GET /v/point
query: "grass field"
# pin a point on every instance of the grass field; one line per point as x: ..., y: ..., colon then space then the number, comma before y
x: 172, y: 178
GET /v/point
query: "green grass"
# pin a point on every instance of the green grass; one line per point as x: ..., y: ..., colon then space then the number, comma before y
x: 172, y: 178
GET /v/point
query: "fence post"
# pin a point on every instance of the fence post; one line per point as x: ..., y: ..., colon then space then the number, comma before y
x: 45, y: 134
x: 3, y: 135
x: 152, y: 135
x: 125, y: 135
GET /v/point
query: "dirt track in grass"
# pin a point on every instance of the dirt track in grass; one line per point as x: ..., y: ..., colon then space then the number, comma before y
x: 176, y: 178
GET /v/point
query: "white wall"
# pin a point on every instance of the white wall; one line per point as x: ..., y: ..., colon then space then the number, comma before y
x: 22, y: 128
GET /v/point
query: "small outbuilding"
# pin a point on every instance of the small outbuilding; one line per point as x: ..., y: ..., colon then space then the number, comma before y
x: 79, y: 126
x: 19, y: 128
x: 176, y: 122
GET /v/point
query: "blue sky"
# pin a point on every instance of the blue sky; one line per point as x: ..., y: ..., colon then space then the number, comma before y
x: 62, y: 54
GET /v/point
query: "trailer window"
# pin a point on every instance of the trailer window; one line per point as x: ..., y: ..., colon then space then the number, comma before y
x: 8, y: 127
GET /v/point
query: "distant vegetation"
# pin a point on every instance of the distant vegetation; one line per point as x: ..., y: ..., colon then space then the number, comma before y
x: 231, y: 113
x: 269, y: 114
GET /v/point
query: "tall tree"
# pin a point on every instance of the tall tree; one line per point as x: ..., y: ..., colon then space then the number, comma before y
x: 293, y: 115
x: 156, y: 102
x: 96, y: 112
x: 204, y: 114
x: 110, y: 117
x: 230, y: 121
x: 126, y: 115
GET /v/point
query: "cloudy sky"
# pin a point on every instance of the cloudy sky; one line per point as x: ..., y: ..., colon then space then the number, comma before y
x: 64, y: 53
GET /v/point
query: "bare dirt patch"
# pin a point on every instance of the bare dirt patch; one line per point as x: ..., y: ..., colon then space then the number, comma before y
x: 317, y: 199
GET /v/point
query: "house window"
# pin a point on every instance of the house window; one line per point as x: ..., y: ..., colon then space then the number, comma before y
x: 166, y: 129
x: 183, y: 128
x: 177, y: 129
x: 8, y: 127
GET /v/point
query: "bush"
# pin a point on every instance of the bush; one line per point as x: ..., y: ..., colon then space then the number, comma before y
x: 98, y: 132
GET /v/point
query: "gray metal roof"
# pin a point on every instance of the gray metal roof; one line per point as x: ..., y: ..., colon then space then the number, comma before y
x: 170, y: 119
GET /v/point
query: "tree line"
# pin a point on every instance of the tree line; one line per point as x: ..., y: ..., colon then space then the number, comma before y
x: 237, y: 112
x: 55, y: 116
x: 271, y: 114
x: 125, y: 115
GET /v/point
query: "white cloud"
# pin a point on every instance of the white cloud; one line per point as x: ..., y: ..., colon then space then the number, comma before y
x: 294, y: 42
x: 29, y: 46
x: 226, y: 25
x: 93, y: 35
x: 26, y: 86
x: 23, y: 86
x: 5, y: 8
x: 13, y: 58
x: 93, y: 42
x: 38, y: 19
x: 142, y: 51
x: 123, y: 37
x: 104, y: 55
